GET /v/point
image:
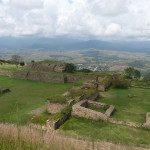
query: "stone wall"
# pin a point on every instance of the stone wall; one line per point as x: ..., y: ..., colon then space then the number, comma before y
x: 6, y: 72
x: 46, y: 66
x: 75, y: 78
x: 103, y: 87
x: 80, y: 110
x: 39, y: 76
x: 96, y: 104
x: 147, y: 123
x: 94, y: 96
x: 55, y: 124
x: 109, y: 111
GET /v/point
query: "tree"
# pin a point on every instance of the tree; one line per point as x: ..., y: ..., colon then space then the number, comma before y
x: 69, y: 67
x: 132, y: 73
x: 22, y: 64
x: 137, y: 74
x: 16, y: 59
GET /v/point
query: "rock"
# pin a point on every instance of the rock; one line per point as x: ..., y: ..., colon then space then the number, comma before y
x: 147, y: 123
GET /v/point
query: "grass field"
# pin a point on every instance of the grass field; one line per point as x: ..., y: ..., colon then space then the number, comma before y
x: 129, y: 109
x: 25, y: 95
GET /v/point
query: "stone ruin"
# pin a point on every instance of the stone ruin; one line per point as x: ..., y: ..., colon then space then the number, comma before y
x: 47, y: 66
x: 79, y: 106
x: 81, y: 109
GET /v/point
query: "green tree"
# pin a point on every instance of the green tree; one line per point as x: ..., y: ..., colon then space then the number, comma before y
x: 132, y: 73
x: 137, y: 74
x: 70, y: 68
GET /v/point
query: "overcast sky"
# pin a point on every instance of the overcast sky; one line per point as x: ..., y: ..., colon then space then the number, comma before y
x: 87, y: 19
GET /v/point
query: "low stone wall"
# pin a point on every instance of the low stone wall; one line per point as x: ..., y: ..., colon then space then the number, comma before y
x: 94, y: 96
x: 75, y: 78
x: 80, y: 110
x: 103, y: 87
x: 6, y: 72
x: 96, y: 104
x: 147, y: 123
x: 51, y: 124
x: 110, y: 110
x: 53, y: 108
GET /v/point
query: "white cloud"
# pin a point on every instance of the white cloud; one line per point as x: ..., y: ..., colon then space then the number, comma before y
x: 113, y: 29
x: 84, y: 18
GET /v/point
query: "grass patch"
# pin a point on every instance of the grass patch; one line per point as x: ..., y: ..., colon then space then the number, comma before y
x: 128, y: 109
x: 98, y: 130
x: 85, y: 92
x: 141, y: 83
x: 25, y: 96
x: 57, y: 99
x: 99, y: 109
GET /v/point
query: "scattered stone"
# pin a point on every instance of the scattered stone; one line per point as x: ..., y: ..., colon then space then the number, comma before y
x: 131, y: 96
x: 66, y: 94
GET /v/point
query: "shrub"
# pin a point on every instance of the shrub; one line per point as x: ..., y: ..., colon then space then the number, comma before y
x: 85, y: 70
x: 121, y: 83
x: 69, y: 67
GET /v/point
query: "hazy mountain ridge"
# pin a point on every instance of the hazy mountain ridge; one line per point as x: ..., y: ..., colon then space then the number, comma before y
x: 65, y: 43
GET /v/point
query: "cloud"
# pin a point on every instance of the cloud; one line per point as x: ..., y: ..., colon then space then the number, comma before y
x: 100, y: 19
x: 113, y: 29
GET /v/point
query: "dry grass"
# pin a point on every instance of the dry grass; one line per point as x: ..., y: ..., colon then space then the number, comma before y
x: 51, y: 141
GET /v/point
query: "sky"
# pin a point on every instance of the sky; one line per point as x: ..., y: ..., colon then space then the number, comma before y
x: 84, y: 19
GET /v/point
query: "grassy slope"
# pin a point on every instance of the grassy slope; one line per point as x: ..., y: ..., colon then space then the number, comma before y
x: 25, y: 96
x: 128, y: 109
x: 98, y: 130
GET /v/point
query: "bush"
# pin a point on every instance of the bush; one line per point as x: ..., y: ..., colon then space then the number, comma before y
x: 85, y: 70
x: 69, y: 67
x: 147, y: 77
x: 121, y: 83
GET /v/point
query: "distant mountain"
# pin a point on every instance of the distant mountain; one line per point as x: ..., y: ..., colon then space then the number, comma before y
x: 65, y: 43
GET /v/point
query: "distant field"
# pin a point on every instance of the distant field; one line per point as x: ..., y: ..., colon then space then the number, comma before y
x: 25, y: 96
